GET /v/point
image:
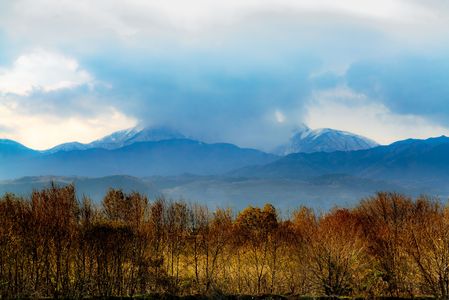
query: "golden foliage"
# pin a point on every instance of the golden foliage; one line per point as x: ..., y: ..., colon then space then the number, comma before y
x: 53, y: 245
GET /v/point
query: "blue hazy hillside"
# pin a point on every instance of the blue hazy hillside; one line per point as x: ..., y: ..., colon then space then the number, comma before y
x: 167, y: 157
x: 157, y: 151
x: 9, y: 148
x: 415, y: 160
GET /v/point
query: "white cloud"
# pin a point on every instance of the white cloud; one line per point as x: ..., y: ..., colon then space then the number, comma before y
x: 42, y: 131
x: 343, y: 109
x: 21, y: 117
x: 70, y: 21
x: 42, y: 70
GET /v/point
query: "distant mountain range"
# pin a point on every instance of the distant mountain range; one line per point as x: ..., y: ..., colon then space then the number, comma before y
x: 158, y: 161
x: 165, y: 157
x: 410, y: 160
x: 308, y: 140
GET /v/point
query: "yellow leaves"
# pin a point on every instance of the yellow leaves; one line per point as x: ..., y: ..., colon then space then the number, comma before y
x: 256, y: 219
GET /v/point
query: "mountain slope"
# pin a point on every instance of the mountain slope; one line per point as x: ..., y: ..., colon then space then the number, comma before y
x: 405, y: 161
x: 130, y: 136
x: 10, y: 148
x: 123, y: 138
x: 217, y: 191
x: 166, y: 157
x: 306, y: 140
x: 14, y: 156
x: 320, y: 192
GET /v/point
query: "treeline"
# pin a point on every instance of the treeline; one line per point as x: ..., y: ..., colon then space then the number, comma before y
x: 53, y: 245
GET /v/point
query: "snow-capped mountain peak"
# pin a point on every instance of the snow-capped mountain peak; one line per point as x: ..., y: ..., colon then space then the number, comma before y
x: 309, y: 140
x: 123, y: 138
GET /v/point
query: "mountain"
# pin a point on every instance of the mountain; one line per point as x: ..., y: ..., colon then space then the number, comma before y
x: 226, y: 175
x: 130, y: 136
x: 68, y: 147
x: 408, y: 162
x: 123, y: 138
x: 306, y: 140
x: 10, y: 148
x: 14, y: 156
x: 323, y: 192
x: 164, y: 157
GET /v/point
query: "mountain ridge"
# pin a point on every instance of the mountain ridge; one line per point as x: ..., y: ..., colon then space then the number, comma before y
x: 123, y: 138
x: 166, y: 157
x: 403, y: 160
x: 224, y: 171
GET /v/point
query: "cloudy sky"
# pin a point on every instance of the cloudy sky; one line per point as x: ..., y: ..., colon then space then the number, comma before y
x: 246, y: 72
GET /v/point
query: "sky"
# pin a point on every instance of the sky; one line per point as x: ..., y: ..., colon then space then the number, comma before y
x: 247, y: 72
